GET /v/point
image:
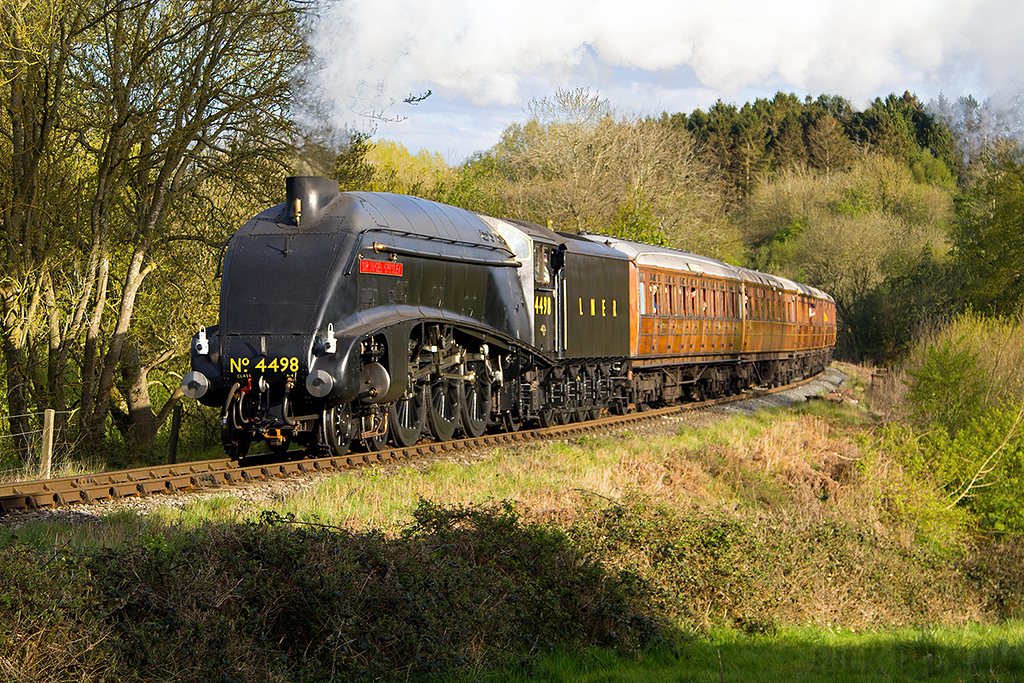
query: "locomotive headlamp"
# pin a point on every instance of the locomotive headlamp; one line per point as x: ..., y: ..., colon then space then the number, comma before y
x: 202, y: 342
x: 194, y: 384
x: 330, y: 341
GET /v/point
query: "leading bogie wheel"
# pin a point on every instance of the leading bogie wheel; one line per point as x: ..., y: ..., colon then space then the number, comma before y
x: 339, y: 428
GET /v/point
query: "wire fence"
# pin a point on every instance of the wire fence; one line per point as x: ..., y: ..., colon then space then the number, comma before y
x: 21, y: 449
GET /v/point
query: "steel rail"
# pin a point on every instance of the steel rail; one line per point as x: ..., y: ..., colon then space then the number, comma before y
x: 206, y: 474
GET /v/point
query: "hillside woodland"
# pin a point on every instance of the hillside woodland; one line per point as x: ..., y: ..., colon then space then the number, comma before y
x: 137, y: 136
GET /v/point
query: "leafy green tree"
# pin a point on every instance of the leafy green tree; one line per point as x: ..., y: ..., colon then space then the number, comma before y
x: 787, y: 148
x: 989, y: 240
x: 751, y: 155
x: 119, y: 117
x: 184, y: 91
x: 37, y: 41
x: 829, y: 148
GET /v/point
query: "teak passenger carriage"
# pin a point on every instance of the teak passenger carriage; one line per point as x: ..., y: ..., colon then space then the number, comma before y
x: 355, y: 319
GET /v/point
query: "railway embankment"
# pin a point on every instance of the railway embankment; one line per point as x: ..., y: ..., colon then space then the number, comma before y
x: 752, y: 521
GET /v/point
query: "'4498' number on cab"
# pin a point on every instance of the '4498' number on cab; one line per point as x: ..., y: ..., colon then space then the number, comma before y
x: 282, y: 364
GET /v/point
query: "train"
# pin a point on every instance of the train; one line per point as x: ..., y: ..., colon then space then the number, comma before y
x: 354, y: 320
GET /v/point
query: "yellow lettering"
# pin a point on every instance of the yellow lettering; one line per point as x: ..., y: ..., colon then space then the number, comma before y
x: 262, y: 364
x: 592, y: 307
x: 604, y: 312
x: 581, y: 305
x: 235, y: 365
x: 615, y: 310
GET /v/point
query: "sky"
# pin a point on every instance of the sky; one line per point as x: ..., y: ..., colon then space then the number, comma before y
x: 483, y: 61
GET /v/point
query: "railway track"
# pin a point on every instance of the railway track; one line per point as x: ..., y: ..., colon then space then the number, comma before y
x: 206, y: 474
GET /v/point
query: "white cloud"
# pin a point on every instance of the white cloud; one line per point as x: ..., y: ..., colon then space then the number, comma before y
x: 482, y: 52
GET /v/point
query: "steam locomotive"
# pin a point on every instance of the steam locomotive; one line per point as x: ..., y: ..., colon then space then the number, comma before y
x: 351, y: 320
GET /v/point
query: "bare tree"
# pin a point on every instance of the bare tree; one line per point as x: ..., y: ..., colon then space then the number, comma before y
x: 118, y: 115
x: 37, y: 43
x: 186, y: 91
x: 581, y: 164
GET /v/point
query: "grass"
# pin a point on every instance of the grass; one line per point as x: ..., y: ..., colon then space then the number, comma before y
x: 788, y: 545
x: 799, y: 655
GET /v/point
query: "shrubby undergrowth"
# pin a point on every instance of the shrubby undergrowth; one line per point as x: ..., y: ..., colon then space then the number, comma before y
x: 463, y: 588
x: 756, y: 524
x: 966, y: 396
x: 279, y: 600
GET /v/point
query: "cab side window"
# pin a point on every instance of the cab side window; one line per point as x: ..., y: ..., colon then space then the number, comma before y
x: 541, y: 265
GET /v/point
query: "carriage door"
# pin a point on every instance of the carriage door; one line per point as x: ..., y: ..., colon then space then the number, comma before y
x: 544, y: 300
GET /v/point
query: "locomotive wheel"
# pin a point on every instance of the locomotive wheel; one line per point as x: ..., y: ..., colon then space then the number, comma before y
x: 547, y: 417
x: 511, y: 422
x: 407, y: 416
x: 375, y: 443
x: 338, y: 428
x: 444, y: 408
x: 476, y: 405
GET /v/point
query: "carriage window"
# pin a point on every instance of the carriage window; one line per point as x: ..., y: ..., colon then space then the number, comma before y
x: 641, y: 290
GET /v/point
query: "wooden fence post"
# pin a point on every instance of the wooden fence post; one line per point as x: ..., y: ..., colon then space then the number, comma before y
x: 47, y: 449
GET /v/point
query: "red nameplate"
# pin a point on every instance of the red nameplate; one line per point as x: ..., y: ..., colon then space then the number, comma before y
x: 380, y: 267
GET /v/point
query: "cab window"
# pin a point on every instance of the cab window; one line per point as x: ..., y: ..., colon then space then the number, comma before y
x: 541, y: 265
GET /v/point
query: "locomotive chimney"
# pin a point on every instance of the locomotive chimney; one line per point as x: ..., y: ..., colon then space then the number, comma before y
x: 307, y: 198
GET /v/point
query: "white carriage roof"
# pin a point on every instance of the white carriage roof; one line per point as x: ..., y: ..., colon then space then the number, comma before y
x: 674, y: 259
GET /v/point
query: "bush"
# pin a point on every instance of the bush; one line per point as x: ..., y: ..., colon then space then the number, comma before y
x: 945, y: 386
x: 982, y: 467
x: 965, y: 389
x: 282, y: 600
x: 50, y: 619
x: 710, y: 570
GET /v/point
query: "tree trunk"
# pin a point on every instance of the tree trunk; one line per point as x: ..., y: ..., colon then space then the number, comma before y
x: 17, y: 402
x: 144, y: 422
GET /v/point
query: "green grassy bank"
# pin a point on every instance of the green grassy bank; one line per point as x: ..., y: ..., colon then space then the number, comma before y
x: 796, y: 545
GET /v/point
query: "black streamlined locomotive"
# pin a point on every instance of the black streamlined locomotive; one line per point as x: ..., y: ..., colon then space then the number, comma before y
x: 353, y: 319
